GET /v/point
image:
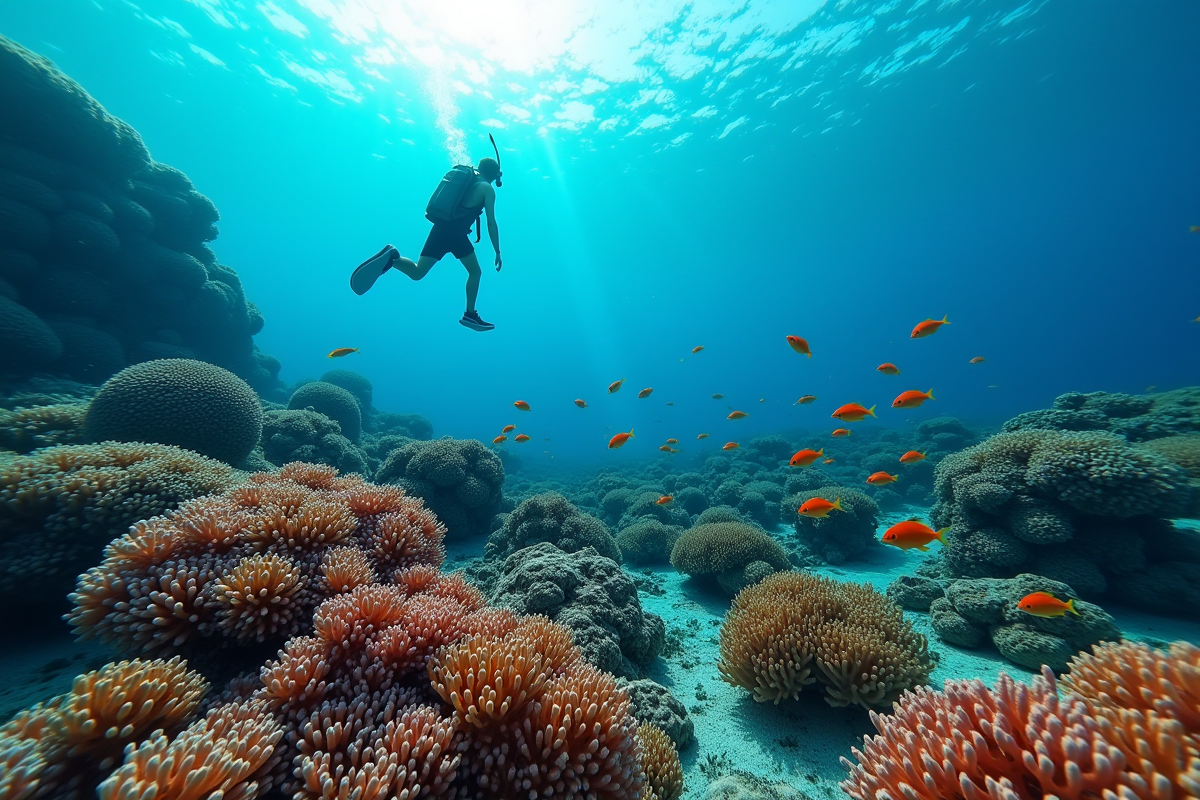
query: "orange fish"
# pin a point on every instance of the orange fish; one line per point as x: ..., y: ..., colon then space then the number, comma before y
x: 928, y: 328
x: 730, y: 446
x: 912, y: 457
x: 737, y: 415
x: 910, y: 535
x: 342, y: 351
x: 581, y: 404
x: 646, y: 392
x: 1044, y: 604
x: 521, y: 405
x: 508, y: 429
x: 664, y: 500
x: 701, y: 435
x: 977, y: 360
x: 672, y: 441
x: 827, y: 461
x: 666, y: 448
x: 805, y: 400
x: 819, y: 508
x: 500, y: 439
x: 882, y: 479
x: 804, y: 458
x: 853, y: 412
x: 912, y: 398
x: 888, y: 368
x: 840, y: 432
x: 620, y: 439
x: 615, y: 386
x: 799, y: 345
x: 718, y: 396
x: 520, y: 437
x: 697, y: 348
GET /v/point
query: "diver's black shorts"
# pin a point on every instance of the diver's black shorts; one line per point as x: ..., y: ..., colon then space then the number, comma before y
x: 448, y: 239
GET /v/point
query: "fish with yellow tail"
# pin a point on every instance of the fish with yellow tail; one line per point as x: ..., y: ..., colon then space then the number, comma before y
x: 342, y: 351
x: 1045, y: 605
x: 620, y: 439
x: 913, y: 535
x: 928, y: 328
x: 819, y: 508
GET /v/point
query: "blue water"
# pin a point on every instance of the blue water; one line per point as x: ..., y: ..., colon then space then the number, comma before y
x: 719, y: 174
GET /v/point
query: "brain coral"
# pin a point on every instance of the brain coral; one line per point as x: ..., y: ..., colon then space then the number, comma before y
x: 794, y: 629
x: 61, y: 505
x: 550, y: 517
x: 332, y: 401
x: 725, y: 549
x: 840, y: 535
x: 461, y: 480
x: 182, y: 402
x: 354, y: 383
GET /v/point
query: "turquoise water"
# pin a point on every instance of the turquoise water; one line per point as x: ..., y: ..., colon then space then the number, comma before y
x: 680, y: 174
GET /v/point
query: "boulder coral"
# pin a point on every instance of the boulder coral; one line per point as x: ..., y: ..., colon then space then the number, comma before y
x: 1114, y: 727
x: 552, y: 518
x: 334, y: 402
x: 304, y: 435
x: 97, y: 237
x: 794, y: 629
x: 355, y: 383
x: 461, y: 481
x: 725, y: 551
x: 1083, y: 507
x: 182, y: 402
x: 648, y: 541
x: 60, y: 506
x: 839, y: 536
x: 1137, y: 418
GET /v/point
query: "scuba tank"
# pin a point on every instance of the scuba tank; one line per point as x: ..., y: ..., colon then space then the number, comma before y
x: 445, y: 205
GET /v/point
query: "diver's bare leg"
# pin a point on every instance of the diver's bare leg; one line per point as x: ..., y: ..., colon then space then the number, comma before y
x: 414, y: 269
x: 471, y: 262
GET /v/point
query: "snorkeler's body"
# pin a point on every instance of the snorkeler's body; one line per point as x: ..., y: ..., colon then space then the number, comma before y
x: 452, y: 237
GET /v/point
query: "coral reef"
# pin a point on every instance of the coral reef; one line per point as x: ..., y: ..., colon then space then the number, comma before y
x: 840, y: 536
x: 724, y: 550
x: 23, y: 430
x: 914, y: 592
x: 1084, y: 508
x: 660, y: 765
x: 334, y: 402
x: 589, y: 595
x: 988, y: 607
x: 250, y: 564
x: 647, y: 541
x: 459, y: 479
x: 794, y: 629
x: 60, y: 506
x: 354, y: 383
x: 1119, y: 730
x: 653, y: 704
x: 1138, y: 418
x: 177, y: 401
x: 91, y: 227
x: 304, y: 435
x: 550, y: 518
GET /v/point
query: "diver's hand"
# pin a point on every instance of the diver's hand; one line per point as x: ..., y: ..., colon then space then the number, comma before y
x: 499, y: 262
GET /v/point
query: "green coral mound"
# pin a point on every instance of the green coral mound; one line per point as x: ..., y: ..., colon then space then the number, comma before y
x: 334, y: 402
x: 460, y: 480
x: 354, y: 383
x: 552, y: 518
x: 181, y: 402
x: 716, y: 548
x: 648, y: 541
x: 60, y: 506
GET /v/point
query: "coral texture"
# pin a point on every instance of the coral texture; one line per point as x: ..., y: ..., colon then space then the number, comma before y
x: 840, y: 536
x: 551, y: 518
x: 60, y: 506
x: 459, y: 479
x: 648, y: 541
x: 334, y: 402
x: 304, y: 435
x: 23, y: 430
x: 794, y: 629
x: 725, y: 549
x: 183, y: 402
x: 660, y: 764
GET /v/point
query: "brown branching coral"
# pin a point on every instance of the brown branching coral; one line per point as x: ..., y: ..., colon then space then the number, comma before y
x: 660, y: 763
x: 60, y: 506
x: 251, y: 564
x: 794, y: 629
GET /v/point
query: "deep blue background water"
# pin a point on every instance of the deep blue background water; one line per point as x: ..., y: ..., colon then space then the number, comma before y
x: 1034, y: 179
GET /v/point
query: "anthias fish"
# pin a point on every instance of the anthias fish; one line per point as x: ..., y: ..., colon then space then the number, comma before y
x: 804, y: 458
x: 1045, y: 605
x: 508, y: 429
x: 882, y: 478
x: 800, y: 345
x: 805, y: 400
x: 928, y: 328
x: 819, y: 507
x: 730, y: 446
x: 499, y: 439
x: 912, y: 535
x: 737, y: 415
x: 912, y: 398
x: 697, y: 348
x: 342, y: 351
x: 620, y: 439
x: 701, y: 435
x: 912, y: 457
x: 977, y: 360
x: 672, y: 441
x: 853, y: 412
x: 838, y: 433
x: 521, y: 405
x: 888, y: 368
x: 664, y: 500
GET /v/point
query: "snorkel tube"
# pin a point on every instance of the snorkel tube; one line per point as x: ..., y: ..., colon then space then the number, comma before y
x: 499, y: 173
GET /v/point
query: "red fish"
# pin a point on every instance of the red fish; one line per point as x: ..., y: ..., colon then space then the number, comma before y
x: 799, y: 345
x: 508, y: 429
x: 881, y: 479
x: 928, y: 327
x: 666, y: 448
x: 853, y: 412
x: 737, y: 415
x: 521, y: 438
x: 1046, y: 605
x: 646, y: 392
x: 730, y: 446
x: 840, y: 432
x: 666, y: 499
x: 615, y: 386
x: 581, y: 404
x: 912, y: 535
x: 500, y: 439
x: 620, y: 439
x: 522, y: 405
x: 804, y: 458
x: 912, y: 398
x: 819, y: 508
x: 912, y: 457
x: 888, y: 368
x: 827, y: 461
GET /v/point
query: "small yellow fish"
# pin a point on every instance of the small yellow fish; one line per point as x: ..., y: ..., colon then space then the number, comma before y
x: 342, y: 351
x: 730, y: 446
x: 697, y: 348
x: 672, y: 441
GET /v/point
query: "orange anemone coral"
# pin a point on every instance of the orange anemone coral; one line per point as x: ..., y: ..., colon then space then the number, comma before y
x: 660, y: 763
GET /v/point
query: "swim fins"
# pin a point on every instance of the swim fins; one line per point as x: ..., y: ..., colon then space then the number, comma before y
x: 366, y: 273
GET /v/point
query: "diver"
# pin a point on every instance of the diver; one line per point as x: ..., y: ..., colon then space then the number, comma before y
x: 464, y: 194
